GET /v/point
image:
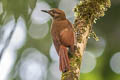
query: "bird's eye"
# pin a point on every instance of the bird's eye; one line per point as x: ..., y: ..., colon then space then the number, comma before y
x: 53, y: 11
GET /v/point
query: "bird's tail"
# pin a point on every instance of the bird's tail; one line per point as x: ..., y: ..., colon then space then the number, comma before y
x: 64, y: 59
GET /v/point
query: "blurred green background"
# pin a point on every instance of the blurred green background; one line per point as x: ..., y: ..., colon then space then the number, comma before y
x: 31, y: 54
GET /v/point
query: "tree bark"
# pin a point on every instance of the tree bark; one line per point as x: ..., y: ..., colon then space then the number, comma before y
x: 86, y: 13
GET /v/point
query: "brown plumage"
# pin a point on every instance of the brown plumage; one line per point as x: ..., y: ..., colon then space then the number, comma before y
x: 63, y: 37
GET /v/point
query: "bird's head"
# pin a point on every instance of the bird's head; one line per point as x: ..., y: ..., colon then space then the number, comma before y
x: 55, y: 13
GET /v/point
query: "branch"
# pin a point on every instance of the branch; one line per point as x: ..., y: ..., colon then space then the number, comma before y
x: 86, y: 13
x: 7, y: 42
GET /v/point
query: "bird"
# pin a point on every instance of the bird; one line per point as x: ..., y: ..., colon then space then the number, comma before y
x: 63, y: 37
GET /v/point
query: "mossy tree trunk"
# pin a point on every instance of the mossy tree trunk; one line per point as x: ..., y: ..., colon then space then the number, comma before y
x: 86, y: 13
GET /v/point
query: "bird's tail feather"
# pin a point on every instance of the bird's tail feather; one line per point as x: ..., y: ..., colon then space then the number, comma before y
x: 64, y: 59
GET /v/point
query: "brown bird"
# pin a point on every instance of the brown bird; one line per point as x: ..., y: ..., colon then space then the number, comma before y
x: 63, y: 37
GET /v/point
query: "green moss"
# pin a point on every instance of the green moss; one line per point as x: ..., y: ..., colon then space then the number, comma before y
x: 88, y: 9
x: 91, y: 10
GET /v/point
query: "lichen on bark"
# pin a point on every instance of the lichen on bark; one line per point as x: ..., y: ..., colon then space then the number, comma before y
x: 86, y: 13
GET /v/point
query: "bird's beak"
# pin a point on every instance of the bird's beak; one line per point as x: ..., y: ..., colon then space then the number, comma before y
x: 46, y: 11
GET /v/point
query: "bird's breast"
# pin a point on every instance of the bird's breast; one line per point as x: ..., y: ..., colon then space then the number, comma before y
x: 60, y: 26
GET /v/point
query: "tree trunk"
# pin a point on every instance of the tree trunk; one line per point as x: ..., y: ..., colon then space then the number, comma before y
x: 86, y: 13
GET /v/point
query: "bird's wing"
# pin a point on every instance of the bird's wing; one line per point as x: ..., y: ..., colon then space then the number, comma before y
x: 57, y: 43
x: 71, y: 25
x: 67, y: 37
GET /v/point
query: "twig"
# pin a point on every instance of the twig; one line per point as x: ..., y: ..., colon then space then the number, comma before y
x: 7, y: 42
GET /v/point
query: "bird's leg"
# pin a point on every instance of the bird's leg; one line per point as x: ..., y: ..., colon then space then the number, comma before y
x: 71, y: 50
